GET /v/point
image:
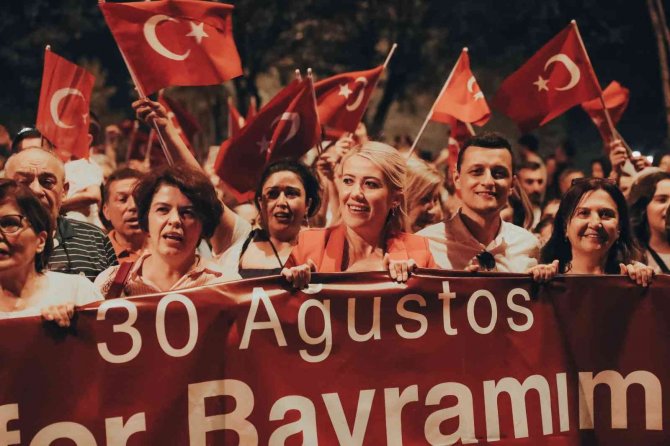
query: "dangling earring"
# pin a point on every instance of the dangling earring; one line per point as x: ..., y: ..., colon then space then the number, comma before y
x: 306, y: 220
x: 393, y: 211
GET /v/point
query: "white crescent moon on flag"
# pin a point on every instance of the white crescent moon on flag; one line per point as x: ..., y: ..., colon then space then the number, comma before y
x: 58, y: 96
x: 295, y: 124
x: 359, y: 99
x: 572, y: 68
x: 152, y: 38
x: 471, y: 88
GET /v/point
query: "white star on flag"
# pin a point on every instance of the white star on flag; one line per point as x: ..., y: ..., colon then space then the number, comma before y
x: 345, y: 91
x: 264, y: 144
x: 197, y: 31
x: 541, y: 84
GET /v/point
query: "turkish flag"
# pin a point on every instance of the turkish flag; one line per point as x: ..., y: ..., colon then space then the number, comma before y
x: 342, y: 99
x: 63, y: 112
x: 616, y: 99
x: 461, y: 96
x: 558, y: 77
x: 175, y: 42
x: 286, y: 127
x: 235, y: 120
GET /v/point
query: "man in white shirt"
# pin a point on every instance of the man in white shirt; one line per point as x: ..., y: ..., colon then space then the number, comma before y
x: 476, y: 238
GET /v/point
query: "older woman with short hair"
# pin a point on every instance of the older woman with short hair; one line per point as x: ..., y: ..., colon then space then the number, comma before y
x: 177, y: 207
x: 26, y: 242
x: 370, y: 183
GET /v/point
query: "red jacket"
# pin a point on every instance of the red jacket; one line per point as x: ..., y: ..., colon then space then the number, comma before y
x: 326, y: 247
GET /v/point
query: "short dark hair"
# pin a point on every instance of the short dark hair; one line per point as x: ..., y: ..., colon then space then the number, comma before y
x: 123, y: 173
x: 529, y: 140
x: 641, y: 193
x: 529, y: 165
x: 309, y: 182
x: 25, y: 133
x: 625, y: 250
x: 34, y: 211
x: 487, y: 140
x: 191, y: 182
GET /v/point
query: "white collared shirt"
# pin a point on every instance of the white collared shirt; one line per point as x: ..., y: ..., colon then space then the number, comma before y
x: 453, y: 246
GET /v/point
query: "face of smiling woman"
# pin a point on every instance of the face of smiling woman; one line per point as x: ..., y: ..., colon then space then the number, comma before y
x: 365, y: 198
x: 594, y: 225
x: 174, y: 228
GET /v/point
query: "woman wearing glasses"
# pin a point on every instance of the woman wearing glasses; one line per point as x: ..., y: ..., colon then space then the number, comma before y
x: 177, y: 207
x: 26, y: 241
x: 370, y: 183
x: 592, y: 234
x: 287, y: 196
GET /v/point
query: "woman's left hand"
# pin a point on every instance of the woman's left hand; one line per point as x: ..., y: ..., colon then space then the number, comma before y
x: 544, y: 272
x: 399, y: 270
x: 638, y: 272
x: 61, y: 314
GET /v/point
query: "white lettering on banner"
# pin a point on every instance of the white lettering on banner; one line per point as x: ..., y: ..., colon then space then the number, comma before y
x: 306, y: 424
x: 463, y: 410
x: 394, y: 401
x: 446, y: 297
x: 9, y: 412
x: 411, y: 315
x: 64, y: 430
x: 404, y: 315
x: 517, y: 395
x: 126, y: 327
x: 618, y: 386
x: 199, y: 423
x: 118, y: 433
x: 472, y: 302
x: 192, y: 325
x: 374, y: 332
x: 355, y: 436
x: 257, y: 296
x: 326, y: 337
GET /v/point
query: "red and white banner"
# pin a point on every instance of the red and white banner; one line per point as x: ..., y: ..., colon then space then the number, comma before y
x: 356, y: 359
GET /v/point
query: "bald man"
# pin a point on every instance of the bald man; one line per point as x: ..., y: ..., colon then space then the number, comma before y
x: 79, y: 248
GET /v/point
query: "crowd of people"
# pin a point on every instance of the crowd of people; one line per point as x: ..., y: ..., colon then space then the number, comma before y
x: 78, y: 231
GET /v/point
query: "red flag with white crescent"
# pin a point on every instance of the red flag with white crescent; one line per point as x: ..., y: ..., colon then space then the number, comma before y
x: 286, y: 127
x: 461, y: 97
x: 175, y: 42
x: 63, y: 112
x: 343, y: 99
x: 558, y: 77
x: 616, y: 99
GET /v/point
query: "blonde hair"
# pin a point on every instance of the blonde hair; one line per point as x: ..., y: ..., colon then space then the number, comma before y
x: 394, y: 168
x: 422, y: 179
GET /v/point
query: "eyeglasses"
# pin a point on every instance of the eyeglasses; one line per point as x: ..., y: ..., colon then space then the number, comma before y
x: 11, y: 224
x: 486, y: 260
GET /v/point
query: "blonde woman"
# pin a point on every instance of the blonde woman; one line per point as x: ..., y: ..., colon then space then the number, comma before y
x: 422, y: 189
x: 370, y: 182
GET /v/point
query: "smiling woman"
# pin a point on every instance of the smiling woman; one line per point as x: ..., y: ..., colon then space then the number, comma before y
x: 176, y: 207
x: 370, y: 184
x: 593, y: 235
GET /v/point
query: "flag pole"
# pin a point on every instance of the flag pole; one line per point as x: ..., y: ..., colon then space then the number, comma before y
x: 390, y: 54
x: 432, y: 108
x: 608, y: 117
x: 319, y: 144
x: 298, y: 76
x: 142, y: 95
